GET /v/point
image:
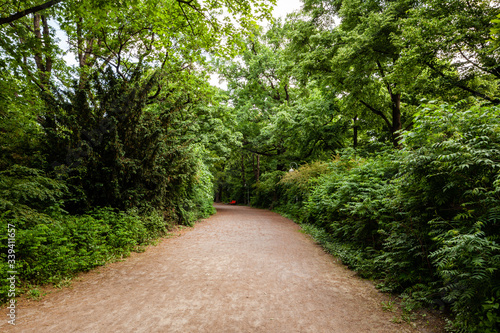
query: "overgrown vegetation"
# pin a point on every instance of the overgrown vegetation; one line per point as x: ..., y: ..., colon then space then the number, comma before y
x: 101, y: 156
x: 422, y: 220
x: 375, y: 124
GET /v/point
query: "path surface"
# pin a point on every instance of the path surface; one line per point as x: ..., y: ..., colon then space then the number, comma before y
x: 242, y: 270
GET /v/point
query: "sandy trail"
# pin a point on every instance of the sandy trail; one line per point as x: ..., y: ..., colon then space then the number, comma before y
x: 242, y: 270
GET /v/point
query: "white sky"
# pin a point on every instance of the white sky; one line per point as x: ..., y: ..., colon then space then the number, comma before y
x: 284, y: 7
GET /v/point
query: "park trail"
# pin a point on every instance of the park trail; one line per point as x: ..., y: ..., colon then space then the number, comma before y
x: 241, y: 270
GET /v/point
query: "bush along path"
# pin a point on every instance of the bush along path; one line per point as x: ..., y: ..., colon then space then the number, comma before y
x: 422, y: 220
x: 242, y: 270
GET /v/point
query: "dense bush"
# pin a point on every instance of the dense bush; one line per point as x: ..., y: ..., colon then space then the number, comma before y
x: 49, y: 243
x: 268, y: 190
x: 451, y: 180
x: 49, y: 249
x: 424, y: 220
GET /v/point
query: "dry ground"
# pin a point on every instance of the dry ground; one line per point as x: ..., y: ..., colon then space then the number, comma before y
x: 242, y: 270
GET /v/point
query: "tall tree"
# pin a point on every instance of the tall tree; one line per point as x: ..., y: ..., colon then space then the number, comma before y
x: 258, y: 83
x: 451, y: 38
x: 356, y: 58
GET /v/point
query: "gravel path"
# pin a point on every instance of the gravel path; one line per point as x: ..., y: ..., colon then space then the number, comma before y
x: 242, y: 270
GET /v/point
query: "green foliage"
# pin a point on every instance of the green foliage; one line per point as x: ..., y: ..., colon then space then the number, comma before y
x: 268, y: 189
x: 114, y: 149
x: 51, y: 245
x: 495, y: 31
x: 296, y: 186
x: 357, y: 57
x: 452, y: 173
x: 449, y: 39
x: 423, y: 220
x: 25, y: 189
x: 197, y: 199
x: 20, y: 135
x: 50, y: 249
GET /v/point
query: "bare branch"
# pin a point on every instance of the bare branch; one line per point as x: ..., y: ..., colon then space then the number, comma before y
x: 377, y: 112
x: 474, y: 64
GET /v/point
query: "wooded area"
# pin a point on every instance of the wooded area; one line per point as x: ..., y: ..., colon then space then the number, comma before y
x: 375, y: 124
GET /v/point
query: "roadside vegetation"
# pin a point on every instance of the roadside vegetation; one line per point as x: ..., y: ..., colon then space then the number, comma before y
x: 374, y: 124
x: 107, y: 143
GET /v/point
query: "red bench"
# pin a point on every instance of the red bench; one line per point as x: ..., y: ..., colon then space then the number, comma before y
x: 233, y: 202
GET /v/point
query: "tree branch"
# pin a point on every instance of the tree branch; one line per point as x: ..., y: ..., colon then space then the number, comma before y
x: 382, y: 73
x: 21, y: 14
x: 377, y: 112
x: 495, y: 101
x: 474, y: 64
x: 267, y: 153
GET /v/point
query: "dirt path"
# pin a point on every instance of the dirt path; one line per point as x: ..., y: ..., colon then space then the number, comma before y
x: 242, y: 270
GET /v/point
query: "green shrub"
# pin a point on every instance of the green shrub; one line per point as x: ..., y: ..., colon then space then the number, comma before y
x: 353, y: 197
x: 451, y: 172
x: 50, y: 249
x: 268, y: 189
x: 23, y: 188
x: 424, y: 219
x: 297, y: 185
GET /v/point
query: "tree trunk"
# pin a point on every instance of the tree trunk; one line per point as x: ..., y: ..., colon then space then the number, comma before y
x: 253, y: 164
x: 42, y: 48
x: 243, y: 182
x: 256, y: 167
x: 257, y: 173
x: 396, y: 118
x: 355, y: 132
x: 281, y: 166
x: 218, y: 193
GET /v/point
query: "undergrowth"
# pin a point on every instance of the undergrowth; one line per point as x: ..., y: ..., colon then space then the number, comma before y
x: 51, y: 245
x: 423, y: 220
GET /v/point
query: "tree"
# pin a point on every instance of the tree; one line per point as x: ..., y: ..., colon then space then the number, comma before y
x: 116, y: 126
x: 451, y: 39
x: 357, y: 58
x: 258, y: 83
x: 385, y: 56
